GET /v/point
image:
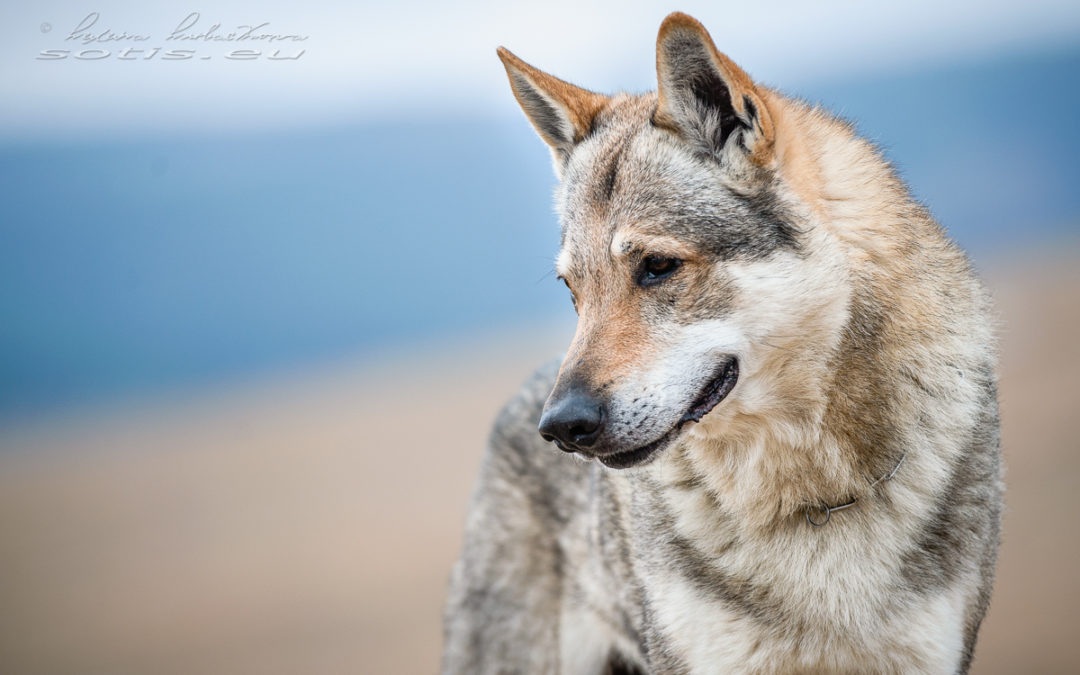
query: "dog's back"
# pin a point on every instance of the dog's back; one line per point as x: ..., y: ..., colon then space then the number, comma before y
x: 785, y: 374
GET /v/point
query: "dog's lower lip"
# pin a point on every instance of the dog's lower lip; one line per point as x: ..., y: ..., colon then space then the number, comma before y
x: 716, y: 391
x: 629, y: 458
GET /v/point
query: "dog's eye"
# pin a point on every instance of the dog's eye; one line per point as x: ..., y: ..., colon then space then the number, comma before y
x: 655, y: 269
x: 573, y: 296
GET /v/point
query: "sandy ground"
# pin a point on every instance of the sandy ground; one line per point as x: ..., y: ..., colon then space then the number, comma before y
x: 307, y: 525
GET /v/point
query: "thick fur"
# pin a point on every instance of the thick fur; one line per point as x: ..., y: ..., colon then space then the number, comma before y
x: 864, y: 342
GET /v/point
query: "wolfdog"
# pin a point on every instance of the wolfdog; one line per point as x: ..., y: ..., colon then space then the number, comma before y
x: 778, y: 413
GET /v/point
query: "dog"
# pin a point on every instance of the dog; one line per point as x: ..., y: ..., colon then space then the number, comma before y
x: 778, y: 413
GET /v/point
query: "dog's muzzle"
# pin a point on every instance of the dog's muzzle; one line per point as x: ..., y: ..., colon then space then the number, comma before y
x: 574, y: 419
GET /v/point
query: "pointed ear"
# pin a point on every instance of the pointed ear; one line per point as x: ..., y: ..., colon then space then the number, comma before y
x: 561, y: 113
x: 705, y: 97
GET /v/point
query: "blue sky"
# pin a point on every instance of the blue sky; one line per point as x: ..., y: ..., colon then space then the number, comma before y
x: 365, y: 60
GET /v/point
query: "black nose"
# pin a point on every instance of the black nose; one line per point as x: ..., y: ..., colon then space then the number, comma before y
x: 574, y: 421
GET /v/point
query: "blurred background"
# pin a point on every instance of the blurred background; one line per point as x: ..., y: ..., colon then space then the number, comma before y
x: 258, y: 308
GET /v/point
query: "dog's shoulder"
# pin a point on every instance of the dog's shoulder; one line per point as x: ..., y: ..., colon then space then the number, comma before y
x: 505, y: 588
x: 519, y: 461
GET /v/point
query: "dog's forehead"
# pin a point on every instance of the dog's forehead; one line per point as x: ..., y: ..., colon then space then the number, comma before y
x: 629, y: 172
x: 631, y: 181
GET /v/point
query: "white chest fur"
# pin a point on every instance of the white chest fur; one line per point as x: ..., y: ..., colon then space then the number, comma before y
x: 803, y: 599
x: 709, y: 637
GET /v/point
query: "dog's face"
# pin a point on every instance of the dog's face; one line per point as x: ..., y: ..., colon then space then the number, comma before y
x: 683, y: 263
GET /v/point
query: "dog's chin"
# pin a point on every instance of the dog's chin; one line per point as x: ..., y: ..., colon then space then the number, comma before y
x: 711, y: 395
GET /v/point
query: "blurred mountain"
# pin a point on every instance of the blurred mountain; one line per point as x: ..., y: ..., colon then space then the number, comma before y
x: 151, y: 264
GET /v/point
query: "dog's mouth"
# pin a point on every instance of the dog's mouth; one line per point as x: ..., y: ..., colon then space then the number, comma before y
x: 715, y: 391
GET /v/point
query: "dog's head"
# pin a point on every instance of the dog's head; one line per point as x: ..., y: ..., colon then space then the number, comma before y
x: 685, y: 253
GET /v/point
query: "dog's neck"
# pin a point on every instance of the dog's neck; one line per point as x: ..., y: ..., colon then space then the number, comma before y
x: 819, y: 516
x: 753, y: 484
x: 786, y: 445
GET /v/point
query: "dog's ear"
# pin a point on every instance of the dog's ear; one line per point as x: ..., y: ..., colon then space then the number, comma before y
x: 707, y: 99
x: 561, y: 113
